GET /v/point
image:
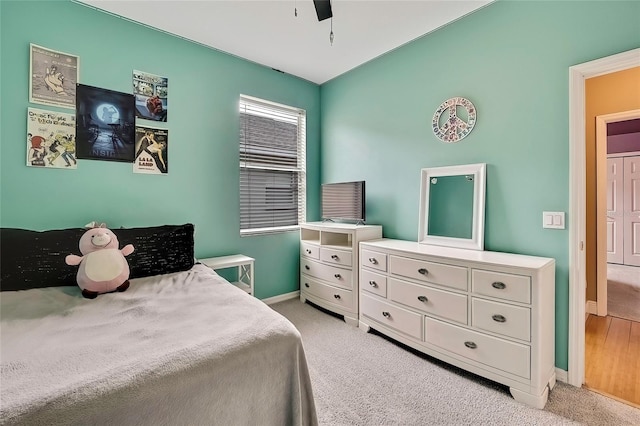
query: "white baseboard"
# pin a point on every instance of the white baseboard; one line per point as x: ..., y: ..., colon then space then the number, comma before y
x: 592, y: 307
x: 282, y: 297
x: 562, y: 375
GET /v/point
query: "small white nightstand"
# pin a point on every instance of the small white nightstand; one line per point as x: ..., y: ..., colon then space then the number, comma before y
x: 242, y: 262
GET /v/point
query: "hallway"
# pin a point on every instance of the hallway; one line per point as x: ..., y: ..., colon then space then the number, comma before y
x: 623, y: 291
x: 612, y: 358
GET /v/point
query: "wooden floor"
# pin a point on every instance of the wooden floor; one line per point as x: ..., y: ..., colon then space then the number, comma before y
x: 612, y: 358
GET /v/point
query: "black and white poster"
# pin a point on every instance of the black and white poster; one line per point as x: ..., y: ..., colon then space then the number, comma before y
x: 152, y: 95
x: 105, y: 124
x: 53, y: 77
x: 151, y: 151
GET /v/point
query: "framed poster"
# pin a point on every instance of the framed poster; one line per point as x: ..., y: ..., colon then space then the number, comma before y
x: 151, y: 151
x: 53, y: 77
x: 51, y: 139
x: 152, y: 95
x: 105, y: 124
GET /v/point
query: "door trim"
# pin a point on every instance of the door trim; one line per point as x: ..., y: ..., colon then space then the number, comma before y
x: 601, y: 202
x: 577, y: 208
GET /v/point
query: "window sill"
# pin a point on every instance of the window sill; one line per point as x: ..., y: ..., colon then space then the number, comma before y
x: 268, y: 231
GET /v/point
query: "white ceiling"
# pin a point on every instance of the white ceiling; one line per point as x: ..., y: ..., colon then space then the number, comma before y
x: 268, y: 32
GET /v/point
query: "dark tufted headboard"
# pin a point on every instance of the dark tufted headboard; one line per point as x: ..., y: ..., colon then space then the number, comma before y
x: 34, y: 259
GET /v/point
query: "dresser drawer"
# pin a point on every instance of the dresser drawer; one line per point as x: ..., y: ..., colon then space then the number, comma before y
x: 335, y: 295
x: 442, y: 303
x: 373, y: 259
x: 509, y: 320
x: 333, y: 275
x: 437, y: 273
x: 392, y: 316
x: 334, y: 256
x: 507, y: 356
x: 373, y: 282
x: 310, y: 250
x: 502, y: 286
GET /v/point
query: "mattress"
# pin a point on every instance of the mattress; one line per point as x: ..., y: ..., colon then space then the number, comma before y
x: 181, y: 348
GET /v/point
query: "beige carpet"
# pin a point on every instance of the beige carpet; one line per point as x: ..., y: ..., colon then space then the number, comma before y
x: 623, y: 291
x: 363, y: 379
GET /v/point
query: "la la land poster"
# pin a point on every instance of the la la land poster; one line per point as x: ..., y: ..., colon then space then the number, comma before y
x: 151, y: 151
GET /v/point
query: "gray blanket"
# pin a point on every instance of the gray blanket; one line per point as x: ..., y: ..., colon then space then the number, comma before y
x: 178, y: 349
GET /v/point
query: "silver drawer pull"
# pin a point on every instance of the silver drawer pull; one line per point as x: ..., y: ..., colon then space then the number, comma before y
x: 373, y: 260
x: 306, y: 267
x: 338, y: 276
x: 334, y: 257
x: 499, y: 318
x: 423, y: 271
x: 373, y: 284
x: 386, y: 314
x: 423, y: 298
x: 308, y: 251
x: 470, y: 345
x: 337, y: 296
x: 499, y: 285
x: 306, y: 285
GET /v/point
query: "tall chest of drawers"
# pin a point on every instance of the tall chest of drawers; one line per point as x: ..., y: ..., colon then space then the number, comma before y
x: 486, y: 312
x: 329, y: 265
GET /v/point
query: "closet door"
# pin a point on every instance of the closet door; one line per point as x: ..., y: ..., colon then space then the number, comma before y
x: 615, y: 215
x: 632, y: 211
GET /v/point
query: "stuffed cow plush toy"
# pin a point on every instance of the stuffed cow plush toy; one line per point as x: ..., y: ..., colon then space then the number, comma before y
x: 103, y: 268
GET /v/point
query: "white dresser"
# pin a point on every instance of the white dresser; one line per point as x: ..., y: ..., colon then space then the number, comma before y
x: 329, y: 265
x: 486, y: 312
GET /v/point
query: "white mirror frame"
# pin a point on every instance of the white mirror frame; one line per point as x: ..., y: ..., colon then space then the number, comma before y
x: 476, y: 242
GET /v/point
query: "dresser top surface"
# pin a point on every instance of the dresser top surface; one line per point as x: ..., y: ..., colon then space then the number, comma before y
x: 480, y: 256
x: 336, y: 225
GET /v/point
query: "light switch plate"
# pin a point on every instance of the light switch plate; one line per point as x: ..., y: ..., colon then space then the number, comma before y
x: 553, y: 220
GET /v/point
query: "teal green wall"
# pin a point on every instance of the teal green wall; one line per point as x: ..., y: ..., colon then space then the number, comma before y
x: 511, y: 59
x: 202, y: 184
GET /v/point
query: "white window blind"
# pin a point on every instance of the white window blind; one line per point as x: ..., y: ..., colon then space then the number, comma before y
x: 272, y: 166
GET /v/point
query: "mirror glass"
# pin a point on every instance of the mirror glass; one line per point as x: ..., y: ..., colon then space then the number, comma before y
x: 452, y: 206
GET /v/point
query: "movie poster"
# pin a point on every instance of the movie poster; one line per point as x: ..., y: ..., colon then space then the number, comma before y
x: 151, y: 151
x: 53, y: 77
x: 152, y: 94
x: 105, y: 124
x: 51, y: 139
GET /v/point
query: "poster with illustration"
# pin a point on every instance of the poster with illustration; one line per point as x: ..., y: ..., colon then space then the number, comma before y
x: 152, y: 95
x: 151, y: 151
x: 51, y: 139
x: 105, y: 124
x: 53, y: 77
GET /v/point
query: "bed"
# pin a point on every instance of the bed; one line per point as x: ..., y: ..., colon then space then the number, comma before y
x: 177, y: 348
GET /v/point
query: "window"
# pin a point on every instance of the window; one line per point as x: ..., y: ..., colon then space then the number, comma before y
x: 272, y: 166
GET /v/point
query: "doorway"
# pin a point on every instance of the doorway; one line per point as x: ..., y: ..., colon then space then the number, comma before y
x: 612, y: 343
x: 617, y: 216
x: 577, y: 209
x: 622, y: 296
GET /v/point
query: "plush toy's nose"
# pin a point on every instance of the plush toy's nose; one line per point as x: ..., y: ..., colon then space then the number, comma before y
x: 100, y: 240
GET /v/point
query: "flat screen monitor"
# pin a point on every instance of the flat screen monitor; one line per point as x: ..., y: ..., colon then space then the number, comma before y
x: 344, y: 201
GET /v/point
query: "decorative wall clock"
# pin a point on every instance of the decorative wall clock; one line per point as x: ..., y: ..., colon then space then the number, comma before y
x: 453, y: 128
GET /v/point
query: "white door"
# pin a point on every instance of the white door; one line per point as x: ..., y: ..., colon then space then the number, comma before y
x: 615, y: 215
x: 632, y: 211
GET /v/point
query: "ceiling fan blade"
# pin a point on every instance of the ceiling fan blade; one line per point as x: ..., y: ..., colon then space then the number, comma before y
x: 323, y: 9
